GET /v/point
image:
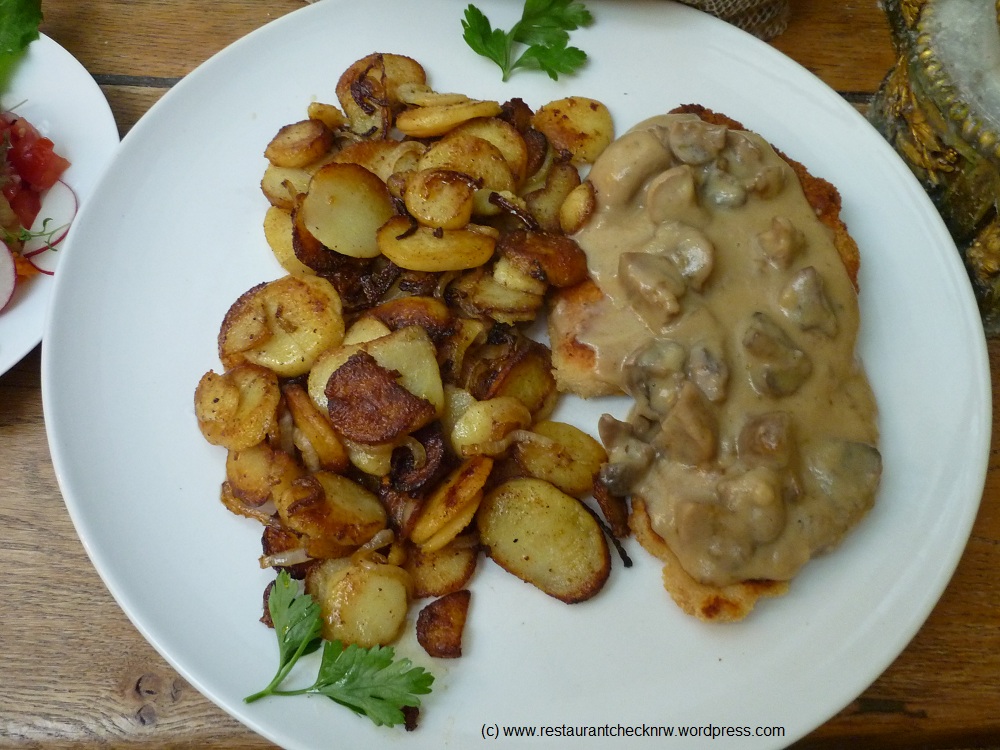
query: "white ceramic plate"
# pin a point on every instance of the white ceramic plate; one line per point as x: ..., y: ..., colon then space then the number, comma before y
x: 56, y: 95
x: 173, y: 236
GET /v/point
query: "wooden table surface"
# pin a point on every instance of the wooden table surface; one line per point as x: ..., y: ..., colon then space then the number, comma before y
x: 74, y: 672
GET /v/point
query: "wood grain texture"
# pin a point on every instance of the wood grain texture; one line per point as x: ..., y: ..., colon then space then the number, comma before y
x: 77, y: 674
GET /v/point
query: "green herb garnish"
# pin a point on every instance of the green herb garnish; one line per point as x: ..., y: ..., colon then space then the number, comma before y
x: 369, y: 681
x: 543, y: 32
x: 18, y: 29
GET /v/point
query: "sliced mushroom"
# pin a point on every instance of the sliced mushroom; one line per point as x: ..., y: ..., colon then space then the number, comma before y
x: 776, y: 366
x: 805, y: 302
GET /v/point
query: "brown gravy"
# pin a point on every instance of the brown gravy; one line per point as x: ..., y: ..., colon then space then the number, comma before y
x: 730, y: 319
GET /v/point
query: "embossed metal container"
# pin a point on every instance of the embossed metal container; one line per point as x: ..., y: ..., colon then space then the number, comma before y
x: 939, y: 107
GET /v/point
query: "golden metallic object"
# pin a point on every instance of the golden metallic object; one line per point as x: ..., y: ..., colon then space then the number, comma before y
x: 939, y: 107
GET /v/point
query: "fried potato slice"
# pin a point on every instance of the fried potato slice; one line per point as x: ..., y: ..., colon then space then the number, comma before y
x: 283, y: 325
x: 361, y: 603
x: 471, y: 155
x: 328, y: 506
x: 479, y: 295
x: 328, y: 114
x: 299, y: 144
x: 484, y: 424
x: 521, y: 368
x: 440, y: 198
x: 566, y: 456
x: 438, y: 119
x: 505, y: 137
x: 452, y: 502
x: 581, y: 126
x: 278, y: 234
x: 344, y: 207
x: 577, y: 208
x: 549, y: 257
x: 260, y: 473
x: 421, y: 248
x: 368, y: 405
x: 237, y: 408
x: 381, y: 157
x: 368, y: 91
x: 444, y: 570
x: 545, y: 203
x: 441, y: 623
x: 314, y: 428
x: 544, y: 537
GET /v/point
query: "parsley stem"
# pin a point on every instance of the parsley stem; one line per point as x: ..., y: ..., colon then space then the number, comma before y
x: 272, y: 686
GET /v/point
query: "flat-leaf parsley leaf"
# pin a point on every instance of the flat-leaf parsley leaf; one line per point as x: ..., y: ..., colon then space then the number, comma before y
x: 369, y: 681
x: 542, y: 32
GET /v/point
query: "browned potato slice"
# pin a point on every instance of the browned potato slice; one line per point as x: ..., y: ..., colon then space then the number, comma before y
x: 375, y: 460
x: 545, y: 203
x: 260, y: 473
x: 299, y: 144
x: 365, y: 329
x: 465, y: 333
x: 280, y: 185
x: 577, y: 209
x: 278, y: 233
x: 511, y: 276
x: 238, y: 408
x: 522, y: 369
x: 505, y: 137
x: 566, y: 456
x: 473, y: 156
x: 440, y: 625
x: 581, y: 126
x: 451, y: 499
x: 328, y: 114
x: 439, y: 198
x: 430, y: 313
x: 422, y: 95
x: 544, y: 537
x: 419, y: 248
x: 315, y: 429
x: 331, y: 507
x: 478, y: 294
x: 408, y: 351
x: 484, y: 424
x: 381, y: 157
x: 283, y: 325
x: 345, y: 206
x: 437, y: 119
x: 552, y: 258
x: 365, y: 603
x: 444, y: 570
x: 368, y: 405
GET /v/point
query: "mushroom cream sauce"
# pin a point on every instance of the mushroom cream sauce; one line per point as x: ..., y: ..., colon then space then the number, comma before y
x: 730, y: 318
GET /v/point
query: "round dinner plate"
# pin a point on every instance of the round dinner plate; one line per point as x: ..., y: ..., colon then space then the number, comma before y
x: 59, y: 97
x: 172, y: 236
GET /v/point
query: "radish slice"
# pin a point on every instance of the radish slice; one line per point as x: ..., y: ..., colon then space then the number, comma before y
x: 59, y: 207
x: 8, y: 275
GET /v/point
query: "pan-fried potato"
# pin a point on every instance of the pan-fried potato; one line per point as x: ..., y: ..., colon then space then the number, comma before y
x: 511, y: 276
x: 329, y: 506
x: 439, y: 119
x: 328, y: 114
x: 315, y: 428
x: 566, y: 456
x: 471, y: 155
x: 451, y: 500
x: 581, y: 126
x: 283, y: 325
x: 441, y: 623
x: 444, y: 570
x: 361, y: 603
x: 439, y: 198
x: 278, y: 234
x: 280, y: 185
x: 366, y: 328
x: 478, y: 294
x: 237, y: 408
x: 422, y: 95
x: 420, y: 248
x: 505, y: 137
x: 544, y: 537
x: 381, y: 158
x: 260, y: 473
x: 368, y: 90
x: 522, y: 369
x: 345, y: 206
x: 577, y: 209
x: 299, y: 144
x: 484, y: 424
x: 553, y: 258
x: 408, y: 351
x: 545, y: 204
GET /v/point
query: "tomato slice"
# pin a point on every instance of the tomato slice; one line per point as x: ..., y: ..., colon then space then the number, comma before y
x: 25, y: 202
x: 37, y: 163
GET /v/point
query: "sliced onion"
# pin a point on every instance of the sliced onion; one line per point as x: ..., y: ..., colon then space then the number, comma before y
x: 8, y: 275
x: 285, y: 559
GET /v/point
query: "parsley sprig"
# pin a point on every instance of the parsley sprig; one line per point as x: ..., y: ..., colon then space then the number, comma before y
x: 369, y: 681
x: 540, y: 40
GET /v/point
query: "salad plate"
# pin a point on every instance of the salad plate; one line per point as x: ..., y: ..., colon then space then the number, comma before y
x: 57, y: 95
x: 165, y: 245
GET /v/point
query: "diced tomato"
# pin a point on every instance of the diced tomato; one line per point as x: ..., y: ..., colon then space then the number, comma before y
x: 25, y: 202
x: 32, y: 156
